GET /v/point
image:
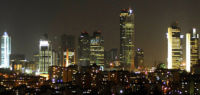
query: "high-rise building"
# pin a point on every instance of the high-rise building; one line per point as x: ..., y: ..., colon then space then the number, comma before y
x: 139, y: 58
x: 97, y: 49
x: 84, y: 49
x: 192, y: 49
x: 46, y: 55
x: 5, y: 50
x: 127, y: 43
x: 68, y: 50
x: 174, y: 47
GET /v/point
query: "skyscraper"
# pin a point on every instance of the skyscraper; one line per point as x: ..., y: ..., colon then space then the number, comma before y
x: 174, y: 47
x: 5, y: 50
x: 68, y: 50
x: 97, y: 49
x: 139, y: 58
x: 127, y: 43
x: 192, y: 49
x: 46, y: 55
x: 84, y: 49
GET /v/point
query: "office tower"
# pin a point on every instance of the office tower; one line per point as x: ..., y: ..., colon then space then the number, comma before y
x: 5, y: 50
x: 192, y: 49
x: 127, y: 43
x: 84, y: 49
x: 68, y: 50
x: 174, y: 47
x: 97, y: 49
x: 46, y: 55
x: 139, y: 58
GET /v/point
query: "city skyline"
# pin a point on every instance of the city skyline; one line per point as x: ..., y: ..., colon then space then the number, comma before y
x: 27, y: 21
x: 90, y: 47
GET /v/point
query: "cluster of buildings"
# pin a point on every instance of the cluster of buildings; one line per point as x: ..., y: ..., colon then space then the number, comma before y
x: 63, y: 51
x: 175, y: 48
x: 61, y: 67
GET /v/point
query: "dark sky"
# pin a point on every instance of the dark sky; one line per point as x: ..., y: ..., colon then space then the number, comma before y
x: 27, y: 20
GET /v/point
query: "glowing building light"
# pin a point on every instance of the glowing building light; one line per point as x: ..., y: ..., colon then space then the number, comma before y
x: 194, y: 30
x: 169, y: 49
x: 67, y: 58
x: 130, y: 11
x: 5, y: 50
x: 188, y: 50
x: 44, y: 43
x: 181, y: 36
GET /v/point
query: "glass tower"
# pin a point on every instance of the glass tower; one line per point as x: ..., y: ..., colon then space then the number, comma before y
x: 127, y: 43
x: 5, y: 50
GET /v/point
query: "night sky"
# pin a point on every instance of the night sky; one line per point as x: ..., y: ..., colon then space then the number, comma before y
x: 27, y: 20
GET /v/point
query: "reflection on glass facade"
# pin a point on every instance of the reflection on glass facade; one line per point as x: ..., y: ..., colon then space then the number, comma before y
x: 5, y: 50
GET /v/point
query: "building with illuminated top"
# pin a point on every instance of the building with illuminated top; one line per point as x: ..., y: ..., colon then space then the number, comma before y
x: 174, y: 47
x: 127, y: 43
x: 46, y: 56
x: 97, y: 49
x: 5, y: 50
x: 192, y: 49
x: 84, y: 49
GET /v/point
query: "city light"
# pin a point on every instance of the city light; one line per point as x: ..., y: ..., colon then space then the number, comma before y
x: 5, y: 51
x: 44, y: 43
x: 188, y: 50
x: 169, y: 49
x: 66, y: 59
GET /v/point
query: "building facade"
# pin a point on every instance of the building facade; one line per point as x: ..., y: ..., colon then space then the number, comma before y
x: 127, y: 43
x: 5, y: 50
x: 192, y: 49
x: 68, y: 50
x: 46, y: 56
x: 97, y: 49
x: 139, y: 58
x: 84, y: 49
x: 174, y: 47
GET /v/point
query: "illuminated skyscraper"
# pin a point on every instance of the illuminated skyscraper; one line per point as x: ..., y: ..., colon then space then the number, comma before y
x: 97, y: 49
x: 5, y: 51
x: 84, y: 49
x: 174, y: 47
x: 127, y: 43
x: 46, y: 55
x: 192, y: 49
